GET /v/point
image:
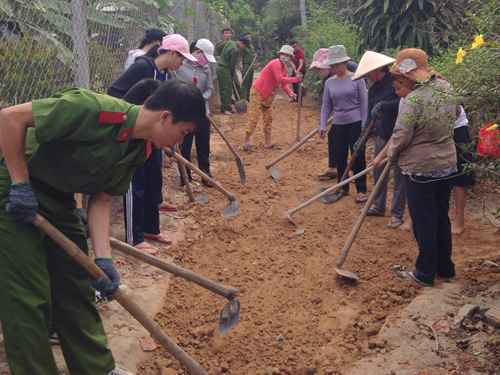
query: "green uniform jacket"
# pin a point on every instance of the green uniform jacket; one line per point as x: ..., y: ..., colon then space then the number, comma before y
x: 219, y: 47
x: 246, y: 55
x: 81, y: 143
x: 229, y: 55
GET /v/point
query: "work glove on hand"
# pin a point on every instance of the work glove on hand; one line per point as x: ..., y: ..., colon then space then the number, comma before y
x: 242, y: 70
x: 377, y: 111
x: 172, y: 153
x: 81, y: 213
x: 356, y: 147
x: 102, y: 284
x: 22, y: 202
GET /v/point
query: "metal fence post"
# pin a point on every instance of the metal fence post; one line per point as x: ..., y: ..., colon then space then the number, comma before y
x: 80, y: 47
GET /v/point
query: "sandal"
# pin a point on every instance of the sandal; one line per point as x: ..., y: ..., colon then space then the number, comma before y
x: 373, y: 212
x: 150, y: 249
x: 168, y: 207
x: 361, y: 198
x: 162, y: 238
x: 341, y: 194
x: 395, y: 223
x: 410, y: 275
x: 326, y: 175
x: 273, y: 147
x: 247, y: 148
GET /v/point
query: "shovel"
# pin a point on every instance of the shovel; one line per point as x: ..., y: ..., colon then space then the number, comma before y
x: 334, y: 196
x: 230, y: 209
x: 239, y: 161
x: 248, y: 70
x: 229, y: 315
x: 354, y: 233
x: 298, y: 112
x: 275, y: 173
x: 203, y: 197
x: 133, y: 308
x: 241, y: 105
x: 289, y: 213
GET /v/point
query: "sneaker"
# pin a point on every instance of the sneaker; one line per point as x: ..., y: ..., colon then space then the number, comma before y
x: 119, y: 370
x: 227, y: 113
x: 100, y: 300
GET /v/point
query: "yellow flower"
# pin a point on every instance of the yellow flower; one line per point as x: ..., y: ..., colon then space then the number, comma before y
x: 479, y: 42
x: 460, y: 55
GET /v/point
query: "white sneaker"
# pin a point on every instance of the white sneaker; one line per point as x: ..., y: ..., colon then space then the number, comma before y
x: 227, y: 113
x: 120, y: 371
x: 100, y: 300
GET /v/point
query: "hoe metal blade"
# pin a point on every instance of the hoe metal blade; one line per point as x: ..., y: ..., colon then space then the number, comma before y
x: 329, y: 198
x: 274, y: 173
x: 203, y: 198
x: 344, y: 273
x: 231, y: 209
x: 229, y: 317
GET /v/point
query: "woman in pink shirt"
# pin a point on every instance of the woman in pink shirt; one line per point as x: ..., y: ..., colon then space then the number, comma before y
x: 264, y: 91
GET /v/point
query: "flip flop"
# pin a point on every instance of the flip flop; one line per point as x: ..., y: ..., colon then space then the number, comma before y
x: 168, y: 207
x: 247, y: 148
x: 342, y: 194
x: 394, y: 223
x: 374, y: 212
x: 360, y: 200
x: 326, y: 175
x: 150, y: 249
x: 273, y: 147
x: 409, y: 275
x: 162, y: 238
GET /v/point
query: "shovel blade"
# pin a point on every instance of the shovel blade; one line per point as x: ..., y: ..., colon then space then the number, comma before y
x: 344, y: 273
x: 229, y: 317
x: 203, y: 198
x: 231, y: 209
x: 241, y: 170
x: 274, y: 173
x: 329, y: 198
x: 241, y: 106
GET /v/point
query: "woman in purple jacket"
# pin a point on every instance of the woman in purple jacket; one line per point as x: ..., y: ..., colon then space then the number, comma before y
x: 350, y: 105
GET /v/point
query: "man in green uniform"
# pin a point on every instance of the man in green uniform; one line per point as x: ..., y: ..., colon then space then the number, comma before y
x: 245, y: 60
x: 226, y: 71
x: 227, y: 35
x: 76, y: 141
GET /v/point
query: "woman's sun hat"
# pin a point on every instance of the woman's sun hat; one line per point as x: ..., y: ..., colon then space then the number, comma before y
x: 370, y: 62
x: 412, y: 63
x: 208, y: 49
x: 176, y: 42
x: 286, y: 49
x: 319, y: 58
x: 336, y: 54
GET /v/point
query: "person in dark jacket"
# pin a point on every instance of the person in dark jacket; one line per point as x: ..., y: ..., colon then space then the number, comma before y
x: 383, y: 107
x: 144, y: 198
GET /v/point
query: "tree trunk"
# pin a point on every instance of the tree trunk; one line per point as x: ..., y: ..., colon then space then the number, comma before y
x: 303, y: 13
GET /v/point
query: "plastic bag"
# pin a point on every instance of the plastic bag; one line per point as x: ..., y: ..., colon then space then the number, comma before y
x: 489, y: 141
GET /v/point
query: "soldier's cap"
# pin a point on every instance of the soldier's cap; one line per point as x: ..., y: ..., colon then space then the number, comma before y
x: 155, y: 34
x: 176, y: 42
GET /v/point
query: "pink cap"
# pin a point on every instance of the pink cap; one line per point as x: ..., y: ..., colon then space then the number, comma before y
x: 176, y: 42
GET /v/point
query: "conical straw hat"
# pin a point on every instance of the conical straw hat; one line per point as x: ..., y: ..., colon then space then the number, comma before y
x: 370, y: 62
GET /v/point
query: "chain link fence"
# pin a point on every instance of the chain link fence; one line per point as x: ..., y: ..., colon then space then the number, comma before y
x: 50, y: 45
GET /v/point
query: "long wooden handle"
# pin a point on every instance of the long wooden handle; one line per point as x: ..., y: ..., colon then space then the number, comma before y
x: 223, y: 137
x: 191, y: 166
x: 295, y: 147
x: 185, y: 177
x: 133, y: 308
x: 251, y: 65
x: 355, y: 154
x: 236, y: 91
x: 224, y: 291
x: 299, y: 110
x: 362, y: 217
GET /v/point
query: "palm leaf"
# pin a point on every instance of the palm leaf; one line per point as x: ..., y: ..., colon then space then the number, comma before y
x: 6, y: 8
x: 421, y: 4
x: 386, y: 5
x: 45, y: 39
x: 62, y: 24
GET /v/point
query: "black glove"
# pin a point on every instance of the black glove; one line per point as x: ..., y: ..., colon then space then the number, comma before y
x: 242, y: 70
x: 172, y: 153
x: 377, y: 111
x: 356, y: 147
x: 102, y: 284
x: 22, y: 202
x: 80, y: 212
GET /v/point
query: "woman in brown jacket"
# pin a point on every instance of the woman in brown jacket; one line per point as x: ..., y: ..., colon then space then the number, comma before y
x: 422, y: 144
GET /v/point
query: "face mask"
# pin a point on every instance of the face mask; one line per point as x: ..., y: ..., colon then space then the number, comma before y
x: 324, y: 72
x: 284, y: 59
x: 202, y: 60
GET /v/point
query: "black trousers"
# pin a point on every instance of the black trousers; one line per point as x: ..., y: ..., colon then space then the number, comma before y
x: 343, y: 138
x: 428, y: 202
x: 143, y: 197
x: 296, y: 85
x: 202, y: 142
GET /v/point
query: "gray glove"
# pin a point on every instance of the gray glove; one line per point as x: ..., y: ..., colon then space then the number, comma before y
x: 377, y: 111
x: 172, y: 153
x: 242, y: 71
x: 22, y: 202
x: 102, y: 284
x: 356, y: 147
x: 80, y: 212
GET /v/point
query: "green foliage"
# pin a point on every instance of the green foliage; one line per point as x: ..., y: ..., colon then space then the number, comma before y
x: 104, y: 65
x: 411, y: 23
x: 265, y: 39
x: 29, y: 71
x: 287, y: 16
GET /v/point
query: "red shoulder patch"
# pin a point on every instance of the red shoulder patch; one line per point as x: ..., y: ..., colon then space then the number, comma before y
x: 125, y: 133
x: 106, y: 117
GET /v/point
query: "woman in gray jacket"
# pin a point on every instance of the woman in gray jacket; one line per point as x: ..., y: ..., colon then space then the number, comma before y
x: 200, y: 74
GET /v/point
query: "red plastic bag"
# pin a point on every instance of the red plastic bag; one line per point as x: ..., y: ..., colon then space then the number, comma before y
x: 489, y: 141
